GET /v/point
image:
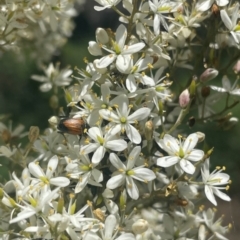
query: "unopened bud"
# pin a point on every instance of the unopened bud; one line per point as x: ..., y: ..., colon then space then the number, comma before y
x: 122, y: 200
x: 102, y: 36
x: 184, y: 98
x: 208, y: 74
x: 205, y: 91
x: 33, y: 133
x: 53, y: 120
x: 192, y: 87
x: 60, y: 205
x: 236, y: 67
x: 53, y: 102
x: 149, y: 130
x: 160, y: 106
x: 94, y: 48
x: 140, y: 226
x: 201, y: 136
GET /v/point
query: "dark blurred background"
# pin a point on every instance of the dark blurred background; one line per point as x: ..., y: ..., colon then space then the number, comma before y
x: 20, y: 97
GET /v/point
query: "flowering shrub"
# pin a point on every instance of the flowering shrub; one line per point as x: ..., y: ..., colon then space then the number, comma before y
x: 119, y: 164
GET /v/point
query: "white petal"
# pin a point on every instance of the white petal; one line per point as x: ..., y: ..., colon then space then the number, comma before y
x: 116, y: 162
x: 98, y: 155
x: 203, y: 5
x: 133, y: 48
x: 156, y: 24
x: 209, y: 195
x: 82, y: 182
x: 226, y: 83
x: 148, y: 81
x: 110, y: 224
x: 45, y: 87
x: 133, y: 156
x: 190, y: 142
x: 226, y: 20
x: 109, y: 115
x: 132, y: 188
x: 143, y: 174
x: 94, y: 48
x: 116, y: 145
x: 195, y: 155
x: 133, y: 134
x: 167, y: 161
x: 60, y: 181
x: 124, y: 63
x: 187, y: 166
x: 122, y: 102
x: 139, y: 115
x: 218, y: 89
x: 97, y: 175
x: 89, y: 148
x: 221, y: 195
x: 116, y: 181
x: 106, y: 61
x: 23, y: 215
x: 52, y: 165
x: 170, y: 144
x: 131, y: 83
x: 35, y: 170
x: 95, y: 132
x: 121, y: 35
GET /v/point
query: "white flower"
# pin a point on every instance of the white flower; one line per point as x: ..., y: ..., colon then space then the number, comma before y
x: 37, y: 204
x: 213, y: 183
x: 106, y: 4
x: 159, y: 8
x: 54, y: 77
x: 126, y: 174
x: 159, y: 90
x: 232, y: 90
x: 121, y: 120
x: 47, y: 179
x: 85, y: 172
x: 231, y: 23
x: 119, y: 48
x: 180, y: 152
x: 203, y: 5
x: 125, y: 65
x: 102, y: 143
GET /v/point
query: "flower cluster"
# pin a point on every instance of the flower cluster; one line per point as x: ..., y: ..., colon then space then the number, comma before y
x: 117, y: 167
x: 42, y: 25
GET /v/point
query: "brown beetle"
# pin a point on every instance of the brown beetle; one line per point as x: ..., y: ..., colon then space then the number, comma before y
x: 74, y: 126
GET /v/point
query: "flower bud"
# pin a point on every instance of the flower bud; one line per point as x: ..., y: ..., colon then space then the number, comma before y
x: 94, y: 48
x: 33, y: 133
x: 192, y: 87
x: 184, y: 98
x: 149, y: 130
x: 140, y: 226
x: 205, y: 91
x: 53, y: 120
x: 123, y: 199
x: 201, y: 136
x: 102, y: 36
x: 208, y: 74
x: 53, y: 102
x: 236, y: 67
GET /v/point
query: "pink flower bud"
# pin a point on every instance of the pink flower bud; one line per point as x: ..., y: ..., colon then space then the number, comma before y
x: 236, y: 67
x: 184, y: 98
x: 208, y: 74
